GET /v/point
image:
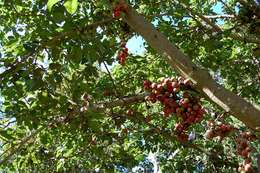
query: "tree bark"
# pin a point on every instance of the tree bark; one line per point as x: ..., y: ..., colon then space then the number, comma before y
x: 119, y: 102
x: 248, y: 113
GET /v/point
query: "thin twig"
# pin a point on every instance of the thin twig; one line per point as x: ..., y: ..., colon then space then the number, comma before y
x: 229, y: 8
x: 223, y: 16
x: 9, y: 123
x: 112, y: 80
x: 216, y: 28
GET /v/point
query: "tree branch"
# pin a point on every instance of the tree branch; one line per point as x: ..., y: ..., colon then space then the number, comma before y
x: 216, y: 28
x: 98, y: 107
x: 172, y: 137
x: 112, y: 80
x: 224, y: 16
x: 118, y: 102
x: 230, y: 102
x: 63, y: 35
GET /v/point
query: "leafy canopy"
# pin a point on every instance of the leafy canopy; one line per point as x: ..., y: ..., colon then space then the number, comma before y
x: 55, y: 52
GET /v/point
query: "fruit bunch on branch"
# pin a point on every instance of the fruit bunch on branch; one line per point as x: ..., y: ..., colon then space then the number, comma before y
x: 178, y: 98
x: 118, y: 9
x: 242, y: 139
x: 243, y: 149
x: 122, y: 54
x: 218, y: 129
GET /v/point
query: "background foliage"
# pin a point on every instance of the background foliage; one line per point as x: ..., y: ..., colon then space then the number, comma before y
x: 53, y: 52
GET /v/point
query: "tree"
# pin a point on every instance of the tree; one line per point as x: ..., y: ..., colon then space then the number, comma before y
x: 75, y: 99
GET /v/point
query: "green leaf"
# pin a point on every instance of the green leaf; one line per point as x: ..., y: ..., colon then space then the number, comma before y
x: 59, y: 165
x: 71, y: 6
x: 44, y: 139
x: 51, y: 3
x: 55, y: 66
x: 68, y: 153
x: 5, y: 134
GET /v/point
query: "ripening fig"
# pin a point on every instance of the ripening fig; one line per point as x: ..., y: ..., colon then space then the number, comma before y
x: 186, y: 94
x: 169, y: 88
x: 157, y: 92
x: 179, y: 127
x: 244, y: 153
x: 196, y: 107
x: 210, y: 123
x: 180, y: 78
x: 186, y: 100
x: 148, y: 119
x: 152, y: 99
x: 166, y: 111
x: 190, y: 119
x: 173, y: 79
x: 175, y: 85
x: 93, y: 142
x: 125, y: 130
x: 159, y: 87
x: 130, y: 112
x: 209, y: 134
x: 167, y: 94
x: 178, y: 110
x: 123, y: 44
x: 174, y: 104
x: 244, y: 143
x: 166, y: 80
x: 187, y: 82
x: 248, y: 167
x: 176, y: 90
x: 116, y: 13
x: 185, y: 105
x: 147, y: 84
x: 118, y: 9
x: 166, y: 101
x: 153, y: 85
x: 183, y: 137
x: 246, y: 161
x: 240, y: 169
x: 189, y: 109
x: 219, y: 123
x: 147, y: 97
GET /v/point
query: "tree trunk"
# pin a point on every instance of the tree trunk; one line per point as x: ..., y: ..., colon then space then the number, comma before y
x: 230, y: 102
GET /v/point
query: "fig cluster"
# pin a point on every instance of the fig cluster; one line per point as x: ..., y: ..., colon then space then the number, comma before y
x: 242, y: 141
x: 177, y: 97
x: 218, y: 129
x: 119, y: 8
x: 243, y: 149
x: 246, y: 167
x: 122, y: 54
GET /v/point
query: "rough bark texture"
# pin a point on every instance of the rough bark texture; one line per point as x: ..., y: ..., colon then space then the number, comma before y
x: 230, y: 102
